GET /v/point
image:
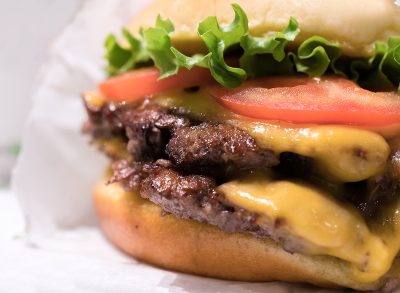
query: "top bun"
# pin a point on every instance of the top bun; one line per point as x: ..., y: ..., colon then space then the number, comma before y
x: 354, y: 24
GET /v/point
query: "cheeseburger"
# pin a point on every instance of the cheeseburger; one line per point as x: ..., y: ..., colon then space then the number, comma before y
x: 255, y: 140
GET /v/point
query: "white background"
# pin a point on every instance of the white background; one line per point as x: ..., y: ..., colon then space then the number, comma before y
x: 27, y: 28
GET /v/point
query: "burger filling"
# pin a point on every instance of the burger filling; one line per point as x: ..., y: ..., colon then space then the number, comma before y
x: 316, y: 189
x: 311, y: 162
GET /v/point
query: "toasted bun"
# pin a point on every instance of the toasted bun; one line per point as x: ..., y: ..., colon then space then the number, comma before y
x: 136, y: 226
x: 355, y: 24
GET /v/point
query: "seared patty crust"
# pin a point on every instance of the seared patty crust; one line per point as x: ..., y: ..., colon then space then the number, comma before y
x: 217, y: 149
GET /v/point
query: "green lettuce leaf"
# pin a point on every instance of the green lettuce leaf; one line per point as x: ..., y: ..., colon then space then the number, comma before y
x: 223, y: 73
x: 390, y: 64
x: 368, y: 72
x: 121, y: 59
x: 118, y: 57
x: 188, y: 62
x: 165, y: 24
x: 217, y: 39
x: 315, y: 55
x: 259, y: 56
x: 158, y: 45
x: 230, y: 34
x: 266, y: 55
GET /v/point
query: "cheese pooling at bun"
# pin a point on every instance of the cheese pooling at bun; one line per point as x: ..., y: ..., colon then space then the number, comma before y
x: 254, y: 140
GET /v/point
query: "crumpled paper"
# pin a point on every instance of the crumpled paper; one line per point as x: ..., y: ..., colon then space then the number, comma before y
x: 65, y: 251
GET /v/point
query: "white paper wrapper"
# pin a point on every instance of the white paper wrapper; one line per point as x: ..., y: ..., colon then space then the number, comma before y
x: 57, y: 169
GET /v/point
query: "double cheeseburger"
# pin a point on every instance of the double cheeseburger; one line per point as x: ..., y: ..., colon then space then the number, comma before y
x: 255, y: 140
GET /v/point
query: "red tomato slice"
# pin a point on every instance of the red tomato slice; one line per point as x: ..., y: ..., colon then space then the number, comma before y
x: 332, y: 100
x: 142, y: 82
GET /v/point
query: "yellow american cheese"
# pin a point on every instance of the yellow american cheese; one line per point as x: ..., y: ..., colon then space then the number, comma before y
x: 332, y: 228
x: 346, y: 154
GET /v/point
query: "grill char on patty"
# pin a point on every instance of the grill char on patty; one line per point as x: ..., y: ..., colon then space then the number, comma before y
x: 216, y: 150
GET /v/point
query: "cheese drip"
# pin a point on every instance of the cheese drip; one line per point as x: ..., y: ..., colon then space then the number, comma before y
x: 342, y: 153
x: 330, y: 227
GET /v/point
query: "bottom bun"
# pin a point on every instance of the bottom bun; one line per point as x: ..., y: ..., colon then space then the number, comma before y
x: 136, y: 226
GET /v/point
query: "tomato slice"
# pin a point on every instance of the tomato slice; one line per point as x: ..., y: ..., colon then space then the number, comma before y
x: 331, y: 99
x: 143, y: 82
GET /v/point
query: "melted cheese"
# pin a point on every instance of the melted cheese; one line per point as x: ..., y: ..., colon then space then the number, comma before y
x: 346, y: 154
x: 113, y: 147
x: 343, y: 153
x: 94, y: 99
x: 332, y: 228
